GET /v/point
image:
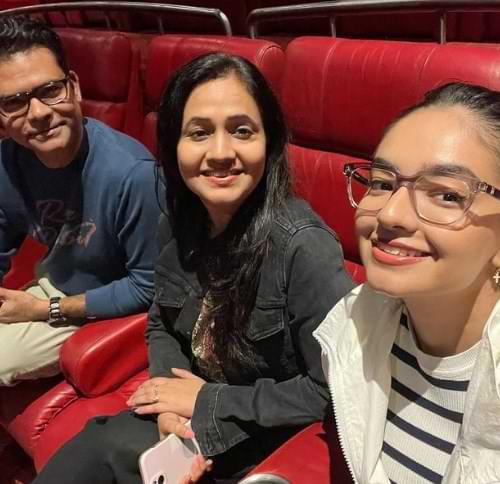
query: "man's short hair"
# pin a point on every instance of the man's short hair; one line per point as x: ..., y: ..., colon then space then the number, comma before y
x: 20, y: 33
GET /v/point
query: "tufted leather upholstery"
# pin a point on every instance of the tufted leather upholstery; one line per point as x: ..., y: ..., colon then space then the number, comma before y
x: 169, y: 52
x: 108, y: 69
x: 351, y: 89
x: 318, y: 178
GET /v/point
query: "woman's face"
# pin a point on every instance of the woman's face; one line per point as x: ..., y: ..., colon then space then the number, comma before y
x: 405, y: 256
x: 222, y: 148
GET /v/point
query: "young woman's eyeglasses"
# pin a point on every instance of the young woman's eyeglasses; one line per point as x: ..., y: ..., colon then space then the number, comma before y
x: 438, y: 198
x: 54, y: 92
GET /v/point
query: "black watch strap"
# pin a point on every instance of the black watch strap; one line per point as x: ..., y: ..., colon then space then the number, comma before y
x: 55, y: 313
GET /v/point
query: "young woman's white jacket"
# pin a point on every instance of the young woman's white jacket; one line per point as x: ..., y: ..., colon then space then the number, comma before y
x: 356, y: 340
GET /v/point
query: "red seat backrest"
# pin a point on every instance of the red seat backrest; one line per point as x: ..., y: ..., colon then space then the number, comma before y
x: 108, y: 68
x: 340, y: 94
x: 169, y: 52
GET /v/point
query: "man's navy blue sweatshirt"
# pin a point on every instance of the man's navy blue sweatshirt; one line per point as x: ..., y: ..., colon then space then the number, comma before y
x: 97, y: 216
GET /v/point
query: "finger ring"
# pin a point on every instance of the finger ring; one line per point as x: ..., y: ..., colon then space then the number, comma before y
x: 156, y: 398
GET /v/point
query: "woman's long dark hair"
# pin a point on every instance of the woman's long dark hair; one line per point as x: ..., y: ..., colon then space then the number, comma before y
x: 228, y: 265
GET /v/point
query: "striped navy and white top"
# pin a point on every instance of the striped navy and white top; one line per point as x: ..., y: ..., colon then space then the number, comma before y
x: 425, y: 411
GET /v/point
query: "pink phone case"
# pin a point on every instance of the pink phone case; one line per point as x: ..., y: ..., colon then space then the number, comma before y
x: 168, y: 461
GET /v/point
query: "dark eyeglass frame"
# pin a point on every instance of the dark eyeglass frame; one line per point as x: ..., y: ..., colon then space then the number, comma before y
x: 475, y: 185
x: 34, y: 93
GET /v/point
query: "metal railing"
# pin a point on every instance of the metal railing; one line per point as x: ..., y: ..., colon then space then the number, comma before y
x: 264, y: 479
x: 106, y: 6
x: 331, y: 10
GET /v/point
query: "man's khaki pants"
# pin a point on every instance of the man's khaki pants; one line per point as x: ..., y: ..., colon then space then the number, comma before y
x: 31, y: 350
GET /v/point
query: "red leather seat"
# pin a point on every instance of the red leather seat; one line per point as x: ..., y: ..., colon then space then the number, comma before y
x: 323, y: 462
x: 103, y: 363
x: 167, y: 53
x: 108, y: 68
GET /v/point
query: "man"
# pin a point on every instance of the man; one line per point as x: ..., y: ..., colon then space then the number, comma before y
x: 81, y: 188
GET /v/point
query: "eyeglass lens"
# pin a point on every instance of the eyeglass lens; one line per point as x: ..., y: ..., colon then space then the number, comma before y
x: 437, y: 198
x: 50, y: 94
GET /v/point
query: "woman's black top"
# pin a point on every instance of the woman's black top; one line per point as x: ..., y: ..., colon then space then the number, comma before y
x: 302, y: 277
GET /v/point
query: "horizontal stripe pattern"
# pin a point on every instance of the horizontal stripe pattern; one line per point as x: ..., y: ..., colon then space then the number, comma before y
x: 420, y: 434
x: 410, y: 360
x: 425, y: 410
x: 418, y: 469
x: 425, y: 403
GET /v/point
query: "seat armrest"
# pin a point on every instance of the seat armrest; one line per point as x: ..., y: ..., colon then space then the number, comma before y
x: 313, y: 456
x: 100, y: 356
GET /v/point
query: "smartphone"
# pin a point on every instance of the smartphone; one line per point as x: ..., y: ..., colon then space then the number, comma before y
x: 168, y: 461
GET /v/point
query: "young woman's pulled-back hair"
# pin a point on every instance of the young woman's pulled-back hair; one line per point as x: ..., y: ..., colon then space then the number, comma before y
x: 478, y: 100
x: 228, y: 265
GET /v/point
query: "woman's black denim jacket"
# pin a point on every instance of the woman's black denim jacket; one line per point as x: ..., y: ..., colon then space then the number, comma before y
x: 302, y: 278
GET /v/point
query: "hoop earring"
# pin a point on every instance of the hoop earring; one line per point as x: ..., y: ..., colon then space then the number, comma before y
x: 496, y: 279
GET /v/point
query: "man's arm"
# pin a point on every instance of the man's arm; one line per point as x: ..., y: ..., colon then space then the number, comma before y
x: 135, y: 225
x: 21, y: 306
x: 136, y: 221
x: 73, y: 306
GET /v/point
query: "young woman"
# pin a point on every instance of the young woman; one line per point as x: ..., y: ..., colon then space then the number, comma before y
x: 245, y: 274
x: 413, y: 357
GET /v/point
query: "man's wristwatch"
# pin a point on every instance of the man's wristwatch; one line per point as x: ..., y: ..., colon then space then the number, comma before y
x: 55, y: 314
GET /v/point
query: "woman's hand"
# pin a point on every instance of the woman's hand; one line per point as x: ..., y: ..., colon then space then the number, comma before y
x: 198, y: 468
x: 170, y: 423
x: 174, y: 395
x: 146, y: 393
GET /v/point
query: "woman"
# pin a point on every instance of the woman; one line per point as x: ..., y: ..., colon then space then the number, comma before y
x: 246, y: 273
x: 413, y: 356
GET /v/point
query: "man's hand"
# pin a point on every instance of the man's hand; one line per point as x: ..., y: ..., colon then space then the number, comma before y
x: 20, y: 307
x: 176, y: 395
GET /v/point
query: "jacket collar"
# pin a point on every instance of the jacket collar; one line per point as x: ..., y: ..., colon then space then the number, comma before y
x: 356, y: 339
